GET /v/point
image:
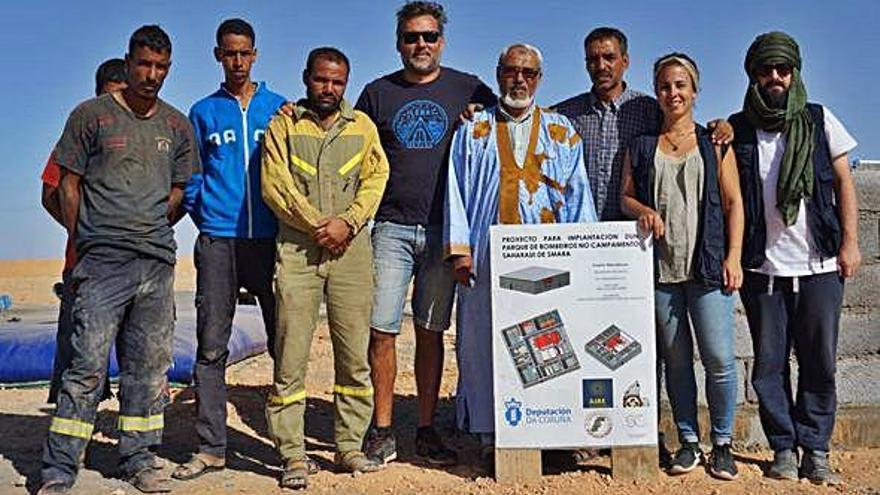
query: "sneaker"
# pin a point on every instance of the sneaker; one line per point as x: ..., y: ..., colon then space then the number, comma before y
x: 721, y: 464
x: 381, y: 446
x: 355, y: 461
x: 784, y: 465
x: 686, y: 458
x: 816, y: 468
x: 430, y: 447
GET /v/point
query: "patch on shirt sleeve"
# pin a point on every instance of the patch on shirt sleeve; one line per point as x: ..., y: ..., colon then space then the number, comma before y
x: 482, y: 129
x: 574, y: 139
x: 558, y: 133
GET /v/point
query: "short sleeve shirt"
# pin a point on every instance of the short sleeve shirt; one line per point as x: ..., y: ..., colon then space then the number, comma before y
x: 789, y: 250
x: 416, y: 123
x: 128, y: 164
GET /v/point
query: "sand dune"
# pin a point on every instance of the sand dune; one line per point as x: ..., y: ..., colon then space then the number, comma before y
x: 31, y: 281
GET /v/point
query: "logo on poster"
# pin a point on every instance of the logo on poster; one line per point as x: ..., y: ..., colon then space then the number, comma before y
x: 597, y: 392
x: 598, y: 424
x: 513, y: 411
x: 633, y: 396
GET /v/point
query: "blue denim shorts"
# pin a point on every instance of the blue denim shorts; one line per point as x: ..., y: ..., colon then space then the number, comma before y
x: 401, y: 252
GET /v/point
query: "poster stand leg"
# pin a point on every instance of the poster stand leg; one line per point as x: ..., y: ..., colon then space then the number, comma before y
x: 630, y: 463
x: 627, y: 463
x: 517, y: 465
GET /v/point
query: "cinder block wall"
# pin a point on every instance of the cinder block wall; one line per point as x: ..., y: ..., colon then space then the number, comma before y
x: 858, y: 352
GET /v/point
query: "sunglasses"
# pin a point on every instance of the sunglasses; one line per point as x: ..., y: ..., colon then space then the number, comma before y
x: 412, y: 37
x: 528, y: 74
x: 782, y: 69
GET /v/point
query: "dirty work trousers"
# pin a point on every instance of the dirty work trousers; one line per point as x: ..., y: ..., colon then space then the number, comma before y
x: 304, y: 274
x: 222, y: 266
x: 117, y: 292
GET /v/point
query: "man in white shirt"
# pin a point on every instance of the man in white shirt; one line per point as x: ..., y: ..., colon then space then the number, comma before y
x: 801, y: 241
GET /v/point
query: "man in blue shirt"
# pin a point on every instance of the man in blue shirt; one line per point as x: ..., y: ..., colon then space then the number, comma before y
x: 236, y: 243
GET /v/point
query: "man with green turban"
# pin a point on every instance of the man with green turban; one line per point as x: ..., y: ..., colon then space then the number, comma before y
x: 801, y: 241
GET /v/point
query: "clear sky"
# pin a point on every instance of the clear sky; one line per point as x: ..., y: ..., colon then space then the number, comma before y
x: 52, y: 49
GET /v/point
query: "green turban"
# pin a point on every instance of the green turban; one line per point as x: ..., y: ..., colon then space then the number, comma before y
x: 793, y: 120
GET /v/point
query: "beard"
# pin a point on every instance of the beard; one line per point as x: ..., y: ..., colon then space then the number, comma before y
x: 517, y: 103
x: 773, y: 99
x: 421, y: 66
x: 323, y: 107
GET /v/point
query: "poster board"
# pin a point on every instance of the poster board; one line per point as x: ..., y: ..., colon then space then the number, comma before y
x: 573, y: 336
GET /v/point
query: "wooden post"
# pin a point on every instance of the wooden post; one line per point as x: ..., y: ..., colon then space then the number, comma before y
x: 517, y: 465
x: 629, y: 463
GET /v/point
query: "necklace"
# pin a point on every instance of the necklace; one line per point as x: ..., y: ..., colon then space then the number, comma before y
x: 682, y: 138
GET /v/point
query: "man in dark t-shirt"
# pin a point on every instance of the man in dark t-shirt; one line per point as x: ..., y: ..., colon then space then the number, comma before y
x: 125, y: 158
x: 415, y: 110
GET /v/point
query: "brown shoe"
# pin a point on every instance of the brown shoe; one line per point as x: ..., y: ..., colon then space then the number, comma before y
x: 355, y: 461
x: 198, y: 465
x: 150, y: 480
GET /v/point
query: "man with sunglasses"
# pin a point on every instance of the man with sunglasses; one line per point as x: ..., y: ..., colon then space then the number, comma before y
x: 236, y: 243
x: 800, y: 243
x: 414, y: 109
x: 526, y: 164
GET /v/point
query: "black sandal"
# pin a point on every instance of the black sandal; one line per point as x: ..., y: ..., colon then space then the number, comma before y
x: 197, y: 466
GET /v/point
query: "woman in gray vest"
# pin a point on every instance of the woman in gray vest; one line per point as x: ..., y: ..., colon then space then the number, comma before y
x: 685, y: 191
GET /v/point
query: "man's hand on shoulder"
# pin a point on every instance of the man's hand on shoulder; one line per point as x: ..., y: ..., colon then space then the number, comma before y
x: 722, y: 131
x: 469, y: 111
x: 286, y: 109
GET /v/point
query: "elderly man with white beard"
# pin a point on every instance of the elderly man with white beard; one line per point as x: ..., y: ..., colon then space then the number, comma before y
x: 513, y: 163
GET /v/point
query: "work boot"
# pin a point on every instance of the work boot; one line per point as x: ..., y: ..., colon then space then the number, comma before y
x: 784, y: 466
x: 816, y: 468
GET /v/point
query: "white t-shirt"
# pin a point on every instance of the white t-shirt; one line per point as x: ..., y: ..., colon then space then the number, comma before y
x: 789, y: 248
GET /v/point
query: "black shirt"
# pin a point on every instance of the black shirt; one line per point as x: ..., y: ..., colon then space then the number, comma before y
x: 128, y: 164
x: 416, y: 123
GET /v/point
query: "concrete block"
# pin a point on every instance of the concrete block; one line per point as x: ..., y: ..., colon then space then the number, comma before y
x: 867, y: 189
x: 869, y: 236
x: 863, y: 290
x: 855, y: 427
x: 859, y: 334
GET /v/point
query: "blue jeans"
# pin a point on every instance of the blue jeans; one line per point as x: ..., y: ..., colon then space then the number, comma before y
x: 399, y: 253
x: 711, y: 311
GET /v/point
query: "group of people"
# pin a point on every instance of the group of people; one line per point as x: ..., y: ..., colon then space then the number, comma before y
x: 318, y: 200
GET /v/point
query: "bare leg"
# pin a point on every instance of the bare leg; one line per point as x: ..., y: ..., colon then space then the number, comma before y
x: 429, y: 370
x: 383, y: 363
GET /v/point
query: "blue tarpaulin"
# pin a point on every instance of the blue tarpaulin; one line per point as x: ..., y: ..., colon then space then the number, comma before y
x: 27, y: 347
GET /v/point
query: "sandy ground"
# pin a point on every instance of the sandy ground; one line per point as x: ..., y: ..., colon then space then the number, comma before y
x: 253, y: 465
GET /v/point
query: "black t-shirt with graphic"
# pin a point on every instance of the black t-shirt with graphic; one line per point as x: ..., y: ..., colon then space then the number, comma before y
x: 416, y: 123
x: 128, y: 164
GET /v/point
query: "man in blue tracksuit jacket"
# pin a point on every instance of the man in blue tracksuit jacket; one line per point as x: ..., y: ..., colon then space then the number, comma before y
x: 236, y: 243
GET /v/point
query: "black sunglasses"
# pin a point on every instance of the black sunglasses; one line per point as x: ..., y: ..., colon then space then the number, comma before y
x: 782, y: 69
x: 412, y: 37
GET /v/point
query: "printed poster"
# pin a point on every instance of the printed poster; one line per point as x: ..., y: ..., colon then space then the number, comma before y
x: 573, y: 336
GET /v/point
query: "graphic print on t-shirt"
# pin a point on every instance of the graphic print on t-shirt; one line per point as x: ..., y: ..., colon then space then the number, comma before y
x: 420, y: 124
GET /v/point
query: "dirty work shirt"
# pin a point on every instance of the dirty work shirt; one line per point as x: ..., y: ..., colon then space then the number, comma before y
x: 128, y: 164
x: 415, y: 123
